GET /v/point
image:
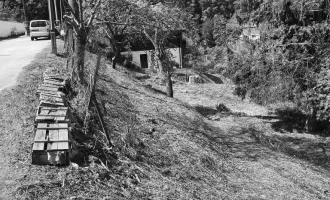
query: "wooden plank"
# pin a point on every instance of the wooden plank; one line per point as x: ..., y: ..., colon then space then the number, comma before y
x: 51, y: 94
x: 51, y: 86
x: 63, y: 125
x: 53, y: 135
x: 52, y: 146
x: 52, y: 126
x: 54, y: 80
x: 51, y: 98
x: 42, y: 125
x: 52, y: 142
x: 63, y: 134
x: 59, y: 118
x: 50, y: 78
x: 38, y: 146
x: 48, y: 103
x: 57, y: 83
x: 48, y: 88
x: 54, y: 77
x: 49, y: 118
x: 44, y: 112
x: 50, y: 108
x: 40, y: 135
x: 63, y: 145
x: 57, y: 113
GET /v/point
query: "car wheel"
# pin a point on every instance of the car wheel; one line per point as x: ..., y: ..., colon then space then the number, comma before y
x: 32, y: 38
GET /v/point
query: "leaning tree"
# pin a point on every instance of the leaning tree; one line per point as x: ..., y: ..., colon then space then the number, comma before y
x: 115, y: 22
x: 160, y: 24
x: 80, y: 16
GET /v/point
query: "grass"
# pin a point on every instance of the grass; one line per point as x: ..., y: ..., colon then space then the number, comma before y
x: 163, y: 148
x: 17, y: 108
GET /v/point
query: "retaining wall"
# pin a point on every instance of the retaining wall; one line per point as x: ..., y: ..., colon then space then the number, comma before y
x: 8, y: 29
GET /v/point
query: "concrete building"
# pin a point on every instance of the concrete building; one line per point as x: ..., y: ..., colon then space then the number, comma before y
x: 141, y: 54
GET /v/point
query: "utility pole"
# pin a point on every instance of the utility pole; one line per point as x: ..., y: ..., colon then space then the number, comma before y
x: 52, y: 27
x: 56, y: 14
x: 26, y: 23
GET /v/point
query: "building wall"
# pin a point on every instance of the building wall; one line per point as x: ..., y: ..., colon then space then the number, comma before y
x: 6, y: 28
x: 252, y: 33
x: 136, y: 57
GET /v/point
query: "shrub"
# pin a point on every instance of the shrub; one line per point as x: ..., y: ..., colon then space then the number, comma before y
x: 220, y: 107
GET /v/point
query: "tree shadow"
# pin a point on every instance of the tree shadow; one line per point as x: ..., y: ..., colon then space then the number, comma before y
x: 206, y: 111
x: 216, y: 79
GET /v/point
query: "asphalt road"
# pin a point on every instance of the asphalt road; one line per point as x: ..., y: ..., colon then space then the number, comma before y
x: 15, y: 54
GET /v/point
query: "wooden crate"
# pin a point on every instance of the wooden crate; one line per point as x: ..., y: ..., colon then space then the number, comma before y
x: 51, y: 104
x: 48, y: 88
x: 51, y: 114
x: 52, y: 144
x: 50, y: 93
x: 51, y: 98
x: 49, y: 81
x: 50, y: 158
x: 50, y: 101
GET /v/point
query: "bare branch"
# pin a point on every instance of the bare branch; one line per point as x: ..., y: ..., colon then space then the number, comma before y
x: 81, y: 17
x: 72, y: 21
x: 93, y: 13
x: 71, y: 10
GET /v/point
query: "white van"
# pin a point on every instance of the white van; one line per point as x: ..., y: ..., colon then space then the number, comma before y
x: 39, y: 28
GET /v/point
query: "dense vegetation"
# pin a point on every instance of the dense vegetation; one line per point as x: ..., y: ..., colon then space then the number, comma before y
x: 23, y: 10
x: 289, y: 63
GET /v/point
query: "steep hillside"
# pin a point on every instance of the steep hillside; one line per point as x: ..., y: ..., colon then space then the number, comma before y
x: 163, y: 148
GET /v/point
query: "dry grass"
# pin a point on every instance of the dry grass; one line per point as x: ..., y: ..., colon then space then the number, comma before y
x: 17, y: 107
x: 165, y: 149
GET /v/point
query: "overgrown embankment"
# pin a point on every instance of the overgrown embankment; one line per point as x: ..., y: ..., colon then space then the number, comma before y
x: 163, y: 148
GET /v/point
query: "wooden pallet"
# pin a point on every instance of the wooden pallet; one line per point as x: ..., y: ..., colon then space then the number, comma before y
x: 58, y: 114
x: 51, y: 98
x: 48, y: 81
x: 44, y: 89
x: 59, y: 87
x: 51, y: 144
x: 52, y: 135
x: 50, y: 93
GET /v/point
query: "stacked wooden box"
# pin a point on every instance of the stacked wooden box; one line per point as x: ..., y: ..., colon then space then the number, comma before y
x: 52, y: 138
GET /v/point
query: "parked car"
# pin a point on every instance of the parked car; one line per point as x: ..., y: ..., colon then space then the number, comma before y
x: 39, y: 28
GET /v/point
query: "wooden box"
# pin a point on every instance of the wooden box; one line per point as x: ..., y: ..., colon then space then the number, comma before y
x: 52, y: 144
x: 50, y: 114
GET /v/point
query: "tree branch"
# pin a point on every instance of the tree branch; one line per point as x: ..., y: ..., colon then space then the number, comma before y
x: 72, y: 21
x: 90, y: 21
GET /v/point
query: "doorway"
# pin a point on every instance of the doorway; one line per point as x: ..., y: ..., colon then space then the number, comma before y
x: 144, y: 60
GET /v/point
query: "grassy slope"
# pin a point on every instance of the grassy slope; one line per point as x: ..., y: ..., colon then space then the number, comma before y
x: 17, y: 112
x: 186, y: 157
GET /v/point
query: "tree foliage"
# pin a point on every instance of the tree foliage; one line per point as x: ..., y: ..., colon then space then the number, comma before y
x: 14, y: 10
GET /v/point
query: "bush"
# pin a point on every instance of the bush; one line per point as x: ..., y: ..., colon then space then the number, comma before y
x: 290, y: 117
x: 222, y: 108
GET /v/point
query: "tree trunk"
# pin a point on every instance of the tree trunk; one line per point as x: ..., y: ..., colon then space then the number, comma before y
x: 114, y: 60
x: 158, y: 58
x: 169, y: 85
x: 80, y: 41
x: 311, y: 121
